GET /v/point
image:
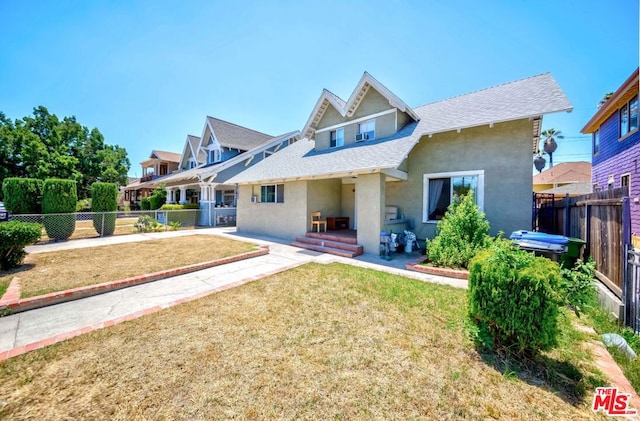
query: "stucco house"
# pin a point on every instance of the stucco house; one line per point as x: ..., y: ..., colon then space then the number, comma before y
x: 223, y: 150
x: 572, y: 178
x: 380, y: 164
x: 616, y: 146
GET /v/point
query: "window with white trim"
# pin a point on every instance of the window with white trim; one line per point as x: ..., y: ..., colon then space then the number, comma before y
x: 440, y: 189
x: 629, y: 117
x: 192, y: 163
x: 272, y: 193
x: 336, y: 138
x: 625, y: 181
x: 366, y: 131
x: 229, y: 198
x: 215, y: 155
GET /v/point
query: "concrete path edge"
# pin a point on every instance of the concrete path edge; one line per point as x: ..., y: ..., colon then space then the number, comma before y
x: 10, y: 302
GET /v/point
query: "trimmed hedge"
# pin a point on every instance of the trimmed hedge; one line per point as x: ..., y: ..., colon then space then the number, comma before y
x: 14, y: 236
x: 22, y: 195
x: 145, y: 204
x: 59, y: 197
x: 175, y: 206
x: 104, y: 198
x: 514, y: 299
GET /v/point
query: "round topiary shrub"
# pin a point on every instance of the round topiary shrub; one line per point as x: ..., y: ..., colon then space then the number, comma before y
x: 22, y: 195
x: 14, y: 236
x: 104, y: 202
x: 514, y: 300
x: 59, y: 199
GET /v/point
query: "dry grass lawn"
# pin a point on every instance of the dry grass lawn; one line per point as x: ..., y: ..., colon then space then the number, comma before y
x: 42, y: 273
x: 317, y: 342
x: 85, y: 229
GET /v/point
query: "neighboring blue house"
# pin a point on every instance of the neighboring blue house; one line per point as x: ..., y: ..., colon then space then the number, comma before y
x: 222, y: 151
x: 616, y: 146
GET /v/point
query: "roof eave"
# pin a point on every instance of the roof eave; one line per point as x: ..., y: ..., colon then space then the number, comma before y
x: 611, y: 105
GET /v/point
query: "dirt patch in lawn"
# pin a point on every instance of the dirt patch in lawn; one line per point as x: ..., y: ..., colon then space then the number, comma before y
x: 316, y: 342
x: 60, y: 270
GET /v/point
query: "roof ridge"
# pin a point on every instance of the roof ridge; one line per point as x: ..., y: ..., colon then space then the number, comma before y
x: 237, y: 125
x: 484, y: 89
x: 335, y: 95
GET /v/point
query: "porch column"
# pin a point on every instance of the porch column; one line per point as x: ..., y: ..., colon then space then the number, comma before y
x: 370, y: 197
x: 204, y: 193
x: 183, y: 195
x: 170, y: 195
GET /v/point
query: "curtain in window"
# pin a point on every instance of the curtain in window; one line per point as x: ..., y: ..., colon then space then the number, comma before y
x: 435, y: 190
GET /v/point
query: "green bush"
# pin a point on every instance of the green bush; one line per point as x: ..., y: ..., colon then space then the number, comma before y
x: 104, y: 198
x: 513, y: 299
x: 83, y: 205
x: 158, y: 198
x: 14, y: 236
x: 145, y: 203
x: 578, y: 286
x: 147, y: 224
x: 22, y: 195
x: 175, y: 206
x: 59, y: 197
x: 459, y: 235
x: 171, y: 206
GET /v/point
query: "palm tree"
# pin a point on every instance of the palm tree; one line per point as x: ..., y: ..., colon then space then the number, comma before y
x: 550, y: 145
x: 539, y: 162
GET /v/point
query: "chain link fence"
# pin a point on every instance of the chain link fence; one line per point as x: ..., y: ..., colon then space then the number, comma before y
x: 62, y: 226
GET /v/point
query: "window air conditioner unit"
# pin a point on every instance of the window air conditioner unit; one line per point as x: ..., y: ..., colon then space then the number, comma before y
x: 360, y: 136
x: 254, y: 199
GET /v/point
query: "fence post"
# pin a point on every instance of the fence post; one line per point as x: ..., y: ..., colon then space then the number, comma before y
x: 587, y: 230
x: 627, y: 287
x: 567, y: 216
x: 102, y: 229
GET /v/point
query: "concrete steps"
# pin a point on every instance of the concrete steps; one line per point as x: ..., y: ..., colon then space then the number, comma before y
x: 331, y: 244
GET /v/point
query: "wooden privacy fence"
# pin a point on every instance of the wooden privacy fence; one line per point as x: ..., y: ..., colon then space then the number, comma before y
x: 602, y: 219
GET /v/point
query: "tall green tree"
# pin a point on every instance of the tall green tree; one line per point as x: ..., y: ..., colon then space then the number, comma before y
x: 43, y: 146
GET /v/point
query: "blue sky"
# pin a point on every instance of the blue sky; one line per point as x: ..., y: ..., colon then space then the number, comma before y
x: 147, y: 73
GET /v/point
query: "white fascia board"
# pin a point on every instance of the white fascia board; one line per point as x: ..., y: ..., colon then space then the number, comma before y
x: 357, y: 120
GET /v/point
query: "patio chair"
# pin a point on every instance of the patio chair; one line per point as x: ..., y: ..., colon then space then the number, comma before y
x: 317, y: 221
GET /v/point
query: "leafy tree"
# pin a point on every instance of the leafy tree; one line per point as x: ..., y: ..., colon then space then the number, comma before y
x: 43, y: 146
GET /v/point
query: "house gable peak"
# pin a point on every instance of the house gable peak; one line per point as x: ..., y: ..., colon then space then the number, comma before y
x: 347, y: 109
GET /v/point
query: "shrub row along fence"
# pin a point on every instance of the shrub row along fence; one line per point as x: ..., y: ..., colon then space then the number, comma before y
x: 100, y: 224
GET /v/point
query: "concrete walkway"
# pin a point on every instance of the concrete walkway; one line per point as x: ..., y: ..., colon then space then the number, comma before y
x: 33, y: 329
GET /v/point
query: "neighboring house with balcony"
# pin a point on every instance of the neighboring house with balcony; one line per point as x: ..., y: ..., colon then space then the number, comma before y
x: 374, y: 163
x: 159, y: 164
x: 572, y: 178
x: 222, y: 151
x: 616, y: 146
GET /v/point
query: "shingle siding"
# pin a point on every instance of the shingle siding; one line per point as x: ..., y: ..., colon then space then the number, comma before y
x: 610, y: 146
x: 625, y: 162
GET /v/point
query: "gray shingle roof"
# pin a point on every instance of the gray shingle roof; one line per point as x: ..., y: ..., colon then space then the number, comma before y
x: 192, y: 175
x: 524, y: 98
x: 530, y: 97
x: 194, y: 142
x: 233, y: 136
